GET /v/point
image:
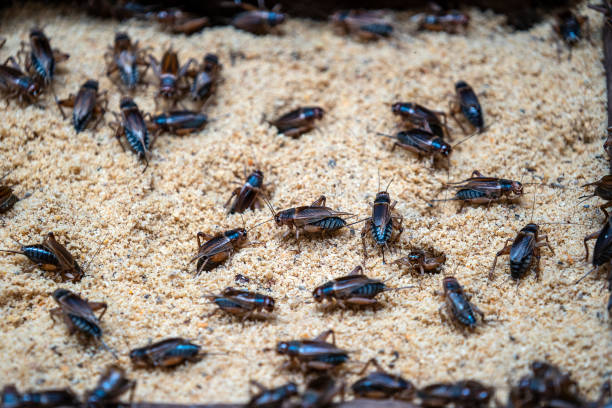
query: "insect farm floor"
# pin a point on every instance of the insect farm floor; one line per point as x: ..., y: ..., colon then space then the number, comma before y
x: 547, y: 122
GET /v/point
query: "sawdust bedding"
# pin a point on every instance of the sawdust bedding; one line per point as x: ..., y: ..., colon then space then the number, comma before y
x: 547, y: 119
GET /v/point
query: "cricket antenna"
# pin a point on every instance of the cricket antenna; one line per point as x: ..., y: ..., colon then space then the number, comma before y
x: 357, y: 222
x: 258, y: 224
x: 6, y: 174
x: 533, y: 205
x: 401, y: 288
x: 96, y: 253
x: 378, y: 189
x: 467, y: 138
x: 390, y: 181
x: 243, y: 224
x: 385, y: 135
x: 584, y: 276
x: 268, y: 203
x: 110, y: 350
x: 586, y: 198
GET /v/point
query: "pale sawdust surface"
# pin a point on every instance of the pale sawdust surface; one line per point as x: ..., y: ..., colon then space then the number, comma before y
x: 546, y: 114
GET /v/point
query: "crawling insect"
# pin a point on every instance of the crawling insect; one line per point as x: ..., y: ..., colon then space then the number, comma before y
x: 41, y: 59
x: 258, y: 20
x: 421, y: 142
x: 247, y: 196
x: 450, y: 21
x: 603, y: 190
x: 52, y: 256
x: 458, y: 305
x: 172, y: 79
x: 125, y: 58
x: 465, y: 394
x: 78, y: 314
x: 298, y: 121
x: 132, y: 124
x: 178, y: 21
x: 214, y: 250
x: 111, y: 386
x: 467, y: 103
x: 569, y: 28
x: 422, y: 117
x: 11, y: 398
x: 522, y: 251
x: 602, y: 253
x: 179, y: 122
x: 88, y: 103
x: 421, y: 261
x: 241, y: 302
x: 271, y: 397
x: 355, y: 289
x: 316, y: 354
x: 16, y: 84
x: 365, y: 24
x: 382, y: 385
x: 7, y: 198
x: 381, y: 224
x: 546, y: 386
x: 480, y: 189
x: 205, y: 78
x: 166, y: 353
x: 312, y: 218
x: 320, y: 392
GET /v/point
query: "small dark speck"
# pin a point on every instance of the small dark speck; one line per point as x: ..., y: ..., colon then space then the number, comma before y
x: 395, y: 355
x: 599, y: 156
x: 381, y: 351
x: 516, y: 356
x: 530, y: 169
x: 522, y: 110
x: 562, y: 308
x: 159, y: 300
x: 331, y: 163
x: 557, y: 185
x: 241, y: 279
x: 512, y: 338
x: 147, y: 296
x: 199, y: 386
x: 517, y: 217
x: 296, y: 55
x: 599, y: 315
x: 40, y: 381
x: 203, y: 192
x: 586, y: 206
x: 560, y: 263
x: 80, y: 365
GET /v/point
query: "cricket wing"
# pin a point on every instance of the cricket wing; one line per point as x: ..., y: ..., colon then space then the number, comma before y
x: 76, y: 306
x: 65, y: 258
